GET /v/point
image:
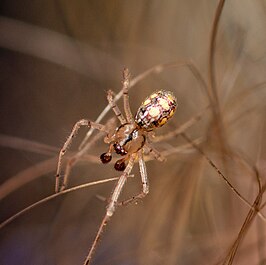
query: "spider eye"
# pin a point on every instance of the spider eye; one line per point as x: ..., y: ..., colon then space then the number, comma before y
x: 156, y: 110
x: 106, y: 158
x: 120, y: 165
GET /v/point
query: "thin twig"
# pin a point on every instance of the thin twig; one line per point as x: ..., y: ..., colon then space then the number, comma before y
x: 46, y: 199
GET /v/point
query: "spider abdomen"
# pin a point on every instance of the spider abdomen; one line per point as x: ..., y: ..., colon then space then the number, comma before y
x: 156, y: 110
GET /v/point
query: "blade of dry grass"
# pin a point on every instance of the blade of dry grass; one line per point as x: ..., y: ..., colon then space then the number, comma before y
x: 29, y: 174
x: 212, y: 65
x: 53, y: 47
x: 245, y: 227
x: 27, y: 145
x: 230, y: 185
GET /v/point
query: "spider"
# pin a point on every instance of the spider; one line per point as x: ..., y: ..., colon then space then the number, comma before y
x: 130, y: 140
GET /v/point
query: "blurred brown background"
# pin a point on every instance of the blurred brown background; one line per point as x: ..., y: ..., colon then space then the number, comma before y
x: 58, y: 58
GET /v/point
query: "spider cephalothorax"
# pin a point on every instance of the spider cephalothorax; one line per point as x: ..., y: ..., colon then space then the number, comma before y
x: 128, y: 138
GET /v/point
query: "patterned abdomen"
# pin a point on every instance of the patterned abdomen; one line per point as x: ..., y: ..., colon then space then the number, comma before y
x: 156, y: 110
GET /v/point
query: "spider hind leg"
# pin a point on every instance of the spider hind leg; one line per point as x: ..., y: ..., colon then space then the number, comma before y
x: 144, y: 180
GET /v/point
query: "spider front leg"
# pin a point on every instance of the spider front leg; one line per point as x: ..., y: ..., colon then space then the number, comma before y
x: 125, y: 82
x: 119, y: 186
x: 144, y: 180
x: 60, y: 183
x: 111, y: 207
x: 114, y: 107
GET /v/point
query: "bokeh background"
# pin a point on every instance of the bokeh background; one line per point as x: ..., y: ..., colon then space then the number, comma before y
x: 58, y: 58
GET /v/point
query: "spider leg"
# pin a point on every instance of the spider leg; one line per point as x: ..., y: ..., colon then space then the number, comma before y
x: 181, y: 128
x: 59, y: 182
x: 144, y: 180
x: 110, y: 207
x: 119, y: 186
x: 72, y: 161
x: 115, y: 108
x: 154, y: 152
x: 125, y: 82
